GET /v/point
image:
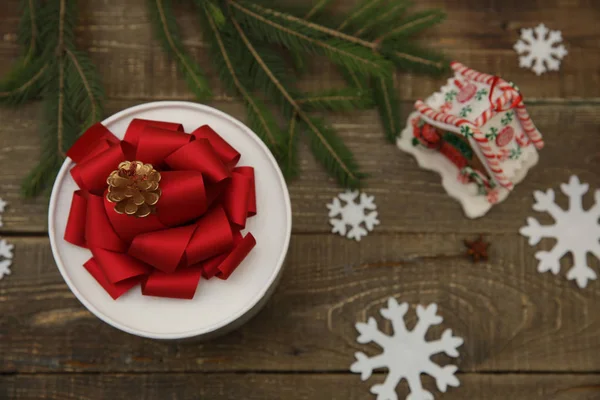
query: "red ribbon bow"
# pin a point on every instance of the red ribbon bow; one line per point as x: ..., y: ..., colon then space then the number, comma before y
x: 196, y: 228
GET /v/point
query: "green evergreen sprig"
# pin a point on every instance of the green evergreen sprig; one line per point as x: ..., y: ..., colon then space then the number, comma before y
x: 253, y: 43
x: 51, y: 68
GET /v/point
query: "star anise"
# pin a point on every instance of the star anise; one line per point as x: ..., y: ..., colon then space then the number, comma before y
x: 133, y: 187
x: 477, y: 249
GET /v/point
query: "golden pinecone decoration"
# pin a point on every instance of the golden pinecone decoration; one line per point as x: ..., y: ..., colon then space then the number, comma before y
x: 133, y: 187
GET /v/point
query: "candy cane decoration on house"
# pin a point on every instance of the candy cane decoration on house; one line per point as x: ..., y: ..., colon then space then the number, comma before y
x: 478, y: 76
x: 529, y: 127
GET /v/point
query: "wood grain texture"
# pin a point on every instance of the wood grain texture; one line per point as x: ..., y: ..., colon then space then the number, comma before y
x: 527, y: 336
x: 183, y: 386
x: 512, y: 318
x: 409, y: 198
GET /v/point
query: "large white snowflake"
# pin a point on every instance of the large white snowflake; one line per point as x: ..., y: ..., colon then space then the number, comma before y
x: 406, y: 354
x: 6, y: 256
x: 352, y: 214
x: 576, y: 231
x: 541, y: 48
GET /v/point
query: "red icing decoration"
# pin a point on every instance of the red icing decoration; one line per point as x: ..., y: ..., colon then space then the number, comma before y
x: 205, y: 199
x: 505, y: 136
x: 466, y: 93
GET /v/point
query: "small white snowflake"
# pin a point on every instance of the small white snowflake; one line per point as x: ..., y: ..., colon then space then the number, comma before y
x: 576, y: 231
x: 6, y: 256
x: 541, y: 49
x: 352, y: 214
x: 406, y: 354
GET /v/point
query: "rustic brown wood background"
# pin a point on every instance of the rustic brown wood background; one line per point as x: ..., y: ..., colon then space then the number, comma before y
x: 527, y: 336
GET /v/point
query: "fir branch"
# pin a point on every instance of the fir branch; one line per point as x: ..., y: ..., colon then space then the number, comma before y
x: 24, y: 82
x: 328, y: 149
x: 412, y: 58
x: 260, y: 13
x: 165, y: 27
x: 381, y: 23
x: 343, y: 166
x: 388, y: 106
x: 414, y: 24
x: 28, y: 29
x: 84, y: 86
x: 346, y: 99
x: 365, y: 10
x: 290, y: 164
x: 260, y: 119
x: 319, y: 6
x: 58, y: 132
x: 344, y: 50
x: 64, y: 77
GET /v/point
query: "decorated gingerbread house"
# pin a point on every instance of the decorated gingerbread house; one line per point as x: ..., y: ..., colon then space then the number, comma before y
x: 476, y: 133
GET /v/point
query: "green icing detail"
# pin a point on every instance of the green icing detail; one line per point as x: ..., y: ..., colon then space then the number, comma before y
x: 480, y: 94
x: 507, y: 119
x: 451, y: 95
x: 466, y: 131
x: 465, y: 111
x: 492, y: 134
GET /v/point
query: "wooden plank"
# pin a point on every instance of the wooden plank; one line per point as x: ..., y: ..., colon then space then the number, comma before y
x: 409, y: 198
x: 289, y: 387
x: 511, y: 317
x: 480, y: 34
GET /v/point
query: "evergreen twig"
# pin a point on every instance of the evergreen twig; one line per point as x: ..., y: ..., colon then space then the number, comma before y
x: 166, y: 29
x: 326, y: 146
x: 251, y: 44
x: 52, y: 68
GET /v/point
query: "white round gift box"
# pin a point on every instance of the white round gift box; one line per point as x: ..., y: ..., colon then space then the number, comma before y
x: 218, y: 306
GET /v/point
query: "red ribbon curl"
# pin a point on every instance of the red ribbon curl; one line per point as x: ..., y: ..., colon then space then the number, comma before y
x: 195, y: 231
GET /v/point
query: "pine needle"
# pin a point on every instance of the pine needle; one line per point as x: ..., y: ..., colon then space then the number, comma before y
x: 327, y: 148
x: 297, y: 34
x: 65, y: 78
x: 388, y: 107
x: 364, y: 10
x: 23, y: 83
x: 412, y: 58
x: 315, y: 10
x: 260, y: 118
x: 165, y: 26
x: 346, y: 99
x: 29, y: 32
x: 414, y: 24
x: 290, y: 162
x: 381, y: 23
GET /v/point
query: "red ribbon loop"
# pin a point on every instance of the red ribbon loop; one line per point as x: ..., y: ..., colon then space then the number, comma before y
x: 204, y: 199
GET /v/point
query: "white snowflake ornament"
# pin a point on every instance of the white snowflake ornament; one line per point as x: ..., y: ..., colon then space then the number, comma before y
x: 576, y: 231
x: 353, y: 214
x: 542, y: 48
x: 406, y: 354
x: 6, y: 256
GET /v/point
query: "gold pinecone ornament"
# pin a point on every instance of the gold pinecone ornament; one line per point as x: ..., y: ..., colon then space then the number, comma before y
x: 133, y: 187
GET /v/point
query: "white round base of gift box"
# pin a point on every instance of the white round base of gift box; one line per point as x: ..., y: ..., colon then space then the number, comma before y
x: 218, y: 306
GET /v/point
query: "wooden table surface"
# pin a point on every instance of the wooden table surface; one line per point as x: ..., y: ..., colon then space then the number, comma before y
x: 527, y: 335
